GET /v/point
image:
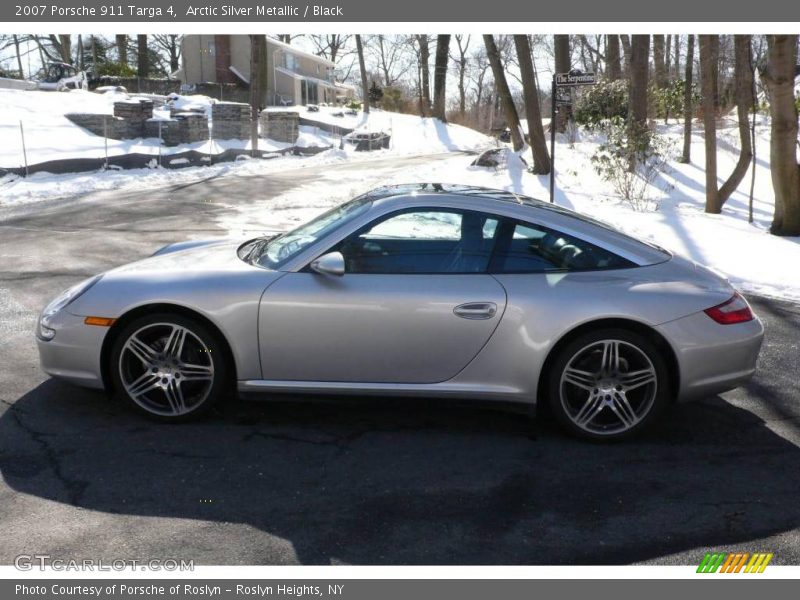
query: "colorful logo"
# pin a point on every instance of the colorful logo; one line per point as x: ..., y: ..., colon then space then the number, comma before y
x: 737, y: 562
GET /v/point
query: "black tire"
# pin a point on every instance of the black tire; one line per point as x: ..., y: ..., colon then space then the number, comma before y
x: 647, y: 400
x: 201, y: 382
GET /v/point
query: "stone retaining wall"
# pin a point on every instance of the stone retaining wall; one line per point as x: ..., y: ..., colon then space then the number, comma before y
x: 280, y: 126
x: 230, y: 121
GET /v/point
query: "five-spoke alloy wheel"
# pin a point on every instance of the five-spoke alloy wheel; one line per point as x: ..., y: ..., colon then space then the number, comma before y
x: 608, y: 384
x: 168, y: 366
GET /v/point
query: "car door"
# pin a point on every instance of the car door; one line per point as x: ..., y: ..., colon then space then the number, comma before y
x: 415, y: 304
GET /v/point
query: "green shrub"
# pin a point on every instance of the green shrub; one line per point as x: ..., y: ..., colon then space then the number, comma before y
x: 115, y: 69
x: 631, y: 159
x: 601, y: 102
x: 668, y: 101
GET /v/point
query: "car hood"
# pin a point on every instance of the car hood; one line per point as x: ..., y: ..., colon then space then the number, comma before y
x: 187, y: 259
x: 195, y: 277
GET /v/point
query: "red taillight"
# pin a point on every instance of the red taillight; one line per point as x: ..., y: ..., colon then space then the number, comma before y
x: 735, y: 310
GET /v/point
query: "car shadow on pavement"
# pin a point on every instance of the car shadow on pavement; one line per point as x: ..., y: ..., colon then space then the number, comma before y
x: 411, y: 481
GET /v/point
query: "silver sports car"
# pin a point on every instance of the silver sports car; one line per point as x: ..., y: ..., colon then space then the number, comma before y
x: 416, y: 290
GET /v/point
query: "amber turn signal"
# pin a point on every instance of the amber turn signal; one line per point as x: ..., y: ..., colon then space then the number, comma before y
x: 99, y: 321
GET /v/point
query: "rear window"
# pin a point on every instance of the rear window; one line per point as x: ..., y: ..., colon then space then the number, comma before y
x: 527, y: 248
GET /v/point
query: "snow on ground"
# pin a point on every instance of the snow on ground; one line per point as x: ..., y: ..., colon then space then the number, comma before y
x: 747, y: 254
x: 49, y: 135
x: 409, y: 132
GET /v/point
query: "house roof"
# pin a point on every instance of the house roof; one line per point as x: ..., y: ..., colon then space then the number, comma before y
x: 294, y: 75
x: 298, y: 51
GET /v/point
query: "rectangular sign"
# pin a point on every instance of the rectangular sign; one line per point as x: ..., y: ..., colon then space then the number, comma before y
x: 352, y: 11
x: 567, y: 79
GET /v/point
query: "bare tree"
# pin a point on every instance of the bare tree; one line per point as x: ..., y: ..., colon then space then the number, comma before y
x: 170, y: 44
x: 440, y: 77
x: 19, y: 57
x: 142, y: 56
x: 363, y: 69
x: 122, y: 48
x: 613, y: 66
x: 541, y: 158
x: 258, y: 54
x: 461, y: 63
x: 709, y: 54
x: 659, y: 63
x: 422, y: 42
x: 640, y: 51
x: 563, y: 65
x: 390, y: 56
x: 626, y: 51
x: 477, y: 72
x: 688, y: 108
x: 512, y: 118
x: 330, y: 46
x: 62, y: 44
x: 779, y: 75
x: 743, y: 75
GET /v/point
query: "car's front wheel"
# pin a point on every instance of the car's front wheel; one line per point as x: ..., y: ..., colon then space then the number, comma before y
x: 168, y: 366
x: 608, y: 384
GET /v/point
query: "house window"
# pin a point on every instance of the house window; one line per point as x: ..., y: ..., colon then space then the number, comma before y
x: 211, y: 48
x: 290, y: 62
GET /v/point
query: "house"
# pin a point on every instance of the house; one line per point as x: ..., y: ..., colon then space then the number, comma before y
x: 293, y: 76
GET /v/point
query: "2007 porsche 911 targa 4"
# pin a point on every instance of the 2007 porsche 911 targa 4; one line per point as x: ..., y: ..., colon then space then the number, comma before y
x: 416, y: 290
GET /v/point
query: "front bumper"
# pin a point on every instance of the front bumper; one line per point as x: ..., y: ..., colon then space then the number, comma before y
x: 712, y: 358
x: 74, y: 353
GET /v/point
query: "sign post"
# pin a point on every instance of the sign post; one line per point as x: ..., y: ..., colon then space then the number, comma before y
x: 562, y: 81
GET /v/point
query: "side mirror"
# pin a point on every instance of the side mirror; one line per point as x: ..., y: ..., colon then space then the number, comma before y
x: 329, y: 264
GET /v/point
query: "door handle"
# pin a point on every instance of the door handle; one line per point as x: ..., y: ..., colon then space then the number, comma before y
x: 476, y: 310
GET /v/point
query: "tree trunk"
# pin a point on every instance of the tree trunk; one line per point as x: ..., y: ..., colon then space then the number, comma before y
x: 122, y: 49
x: 626, y: 51
x: 66, y: 48
x: 257, y: 53
x: 142, y: 57
x: 640, y: 51
x: 19, y: 58
x: 659, y: 64
x: 614, y: 68
x: 639, y: 72
x: 744, y: 99
x: 541, y: 158
x: 709, y: 53
x: 424, y: 64
x: 779, y: 76
x: 80, y: 52
x: 688, y: 109
x: 174, y: 63
x: 563, y: 65
x: 677, y: 73
x: 440, y: 77
x: 363, y: 69
x: 512, y: 118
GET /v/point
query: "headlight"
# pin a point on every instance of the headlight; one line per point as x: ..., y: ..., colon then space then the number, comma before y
x: 44, y: 331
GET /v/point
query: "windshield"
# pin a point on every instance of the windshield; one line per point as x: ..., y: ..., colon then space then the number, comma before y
x: 279, y: 250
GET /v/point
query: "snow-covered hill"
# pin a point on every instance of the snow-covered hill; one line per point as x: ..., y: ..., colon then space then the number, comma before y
x: 49, y: 135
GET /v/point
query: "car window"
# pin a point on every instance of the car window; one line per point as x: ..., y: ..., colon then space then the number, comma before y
x: 435, y: 241
x: 527, y: 248
x: 284, y: 247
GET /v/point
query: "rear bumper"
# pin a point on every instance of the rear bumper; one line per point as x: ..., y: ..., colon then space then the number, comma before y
x: 74, y: 353
x: 712, y: 358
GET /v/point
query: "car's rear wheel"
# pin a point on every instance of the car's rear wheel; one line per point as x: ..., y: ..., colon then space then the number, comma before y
x: 608, y: 385
x: 168, y: 366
